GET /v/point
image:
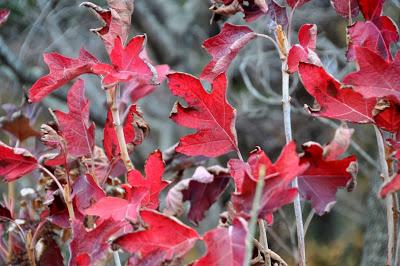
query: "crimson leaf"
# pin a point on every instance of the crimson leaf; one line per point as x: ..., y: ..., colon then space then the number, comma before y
x: 209, y: 113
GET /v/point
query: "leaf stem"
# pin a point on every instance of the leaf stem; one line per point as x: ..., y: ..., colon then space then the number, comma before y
x: 388, y: 200
x: 254, y: 214
x: 113, y: 105
x: 66, y: 192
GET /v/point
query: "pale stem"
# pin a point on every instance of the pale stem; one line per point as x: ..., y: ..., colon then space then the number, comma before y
x: 253, y: 220
x: 288, y: 134
x: 264, y: 240
x: 119, y: 130
x: 117, y: 260
x: 396, y: 258
x: 388, y: 200
x: 308, y: 221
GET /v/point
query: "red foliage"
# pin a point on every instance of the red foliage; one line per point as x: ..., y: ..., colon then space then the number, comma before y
x: 15, y: 162
x: 209, y: 113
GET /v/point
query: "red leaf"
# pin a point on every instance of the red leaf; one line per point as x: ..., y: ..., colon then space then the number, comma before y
x: 86, y: 192
x: 116, y: 20
x: 393, y: 185
x: 305, y: 52
x: 297, y: 3
x: 320, y: 182
x: 134, y: 127
x: 127, y: 63
x: 202, y: 190
x: 371, y: 9
x: 117, y: 208
x: 83, y: 260
x: 4, y: 13
x: 136, y: 90
x: 224, y: 47
x: 225, y: 246
x: 334, y: 101
x: 62, y: 70
x: 376, y: 34
x: 387, y: 114
x: 339, y: 144
x: 342, y: 7
x: 15, y: 162
x: 209, y: 113
x: 94, y: 243
x: 278, y: 176
x: 375, y: 77
x: 164, y: 239
x: 75, y: 126
x: 153, y: 182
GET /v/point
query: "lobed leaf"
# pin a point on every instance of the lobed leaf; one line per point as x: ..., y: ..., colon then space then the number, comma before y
x: 209, y: 113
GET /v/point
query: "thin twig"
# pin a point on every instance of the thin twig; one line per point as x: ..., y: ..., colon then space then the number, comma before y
x: 388, y: 200
x: 113, y: 105
x: 117, y: 260
x: 65, y: 192
x: 308, y: 221
x: 288, y: 134
x: 264, y: 240
x: 254, y: 214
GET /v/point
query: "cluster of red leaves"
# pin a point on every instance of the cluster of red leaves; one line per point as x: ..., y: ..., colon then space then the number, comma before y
x: 129, y: 215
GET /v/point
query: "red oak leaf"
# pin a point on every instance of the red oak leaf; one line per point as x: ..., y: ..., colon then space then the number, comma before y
x: 346, y: 7
x: 278, y: 176
x: 305, y: 51
x: 117, y: 208
x: 153, y: 182
x: 94, y: 243
x: 85, y: 192
x: 334, y: 101
x: 116, y: 20
x: 4, y: 13
x: 135, y: 129
x: 320, y: 182
x: 202, y: 190
x: 126, y: 64
x: 297, y: 3
x: 224, y: 47
x: 375, y: 77
x: 15, y: 162
x: 62, y: 70
x: 164, y: 239
x: 376, y: 34
x: 225, y: 246
x: 209, y: 113
x: 75, y: 126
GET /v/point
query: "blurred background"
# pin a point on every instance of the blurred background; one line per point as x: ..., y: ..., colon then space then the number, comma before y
x: 353, y: 233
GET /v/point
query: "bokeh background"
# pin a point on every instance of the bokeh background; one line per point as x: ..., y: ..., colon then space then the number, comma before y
x: 353, y: 233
